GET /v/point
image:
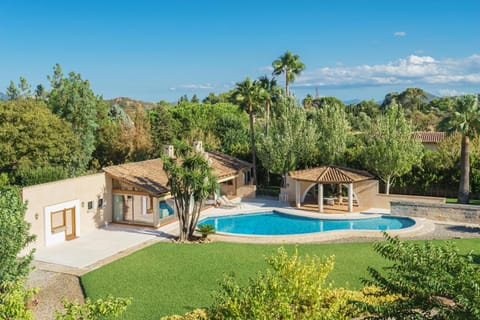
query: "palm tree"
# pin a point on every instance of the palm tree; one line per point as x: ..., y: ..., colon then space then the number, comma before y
x: 270, y: 94
x: 249, y: 95
x: 465, y: 118
x: 289, y: 64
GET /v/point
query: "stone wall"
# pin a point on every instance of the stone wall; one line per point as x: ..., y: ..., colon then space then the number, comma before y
x: 382, y: 200
x: 437, y: 211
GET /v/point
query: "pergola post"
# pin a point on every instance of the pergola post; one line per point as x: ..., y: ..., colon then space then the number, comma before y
x: 350, y: 197
x: 156, y: 212
x: 297, y: 194
x: 320, y: 197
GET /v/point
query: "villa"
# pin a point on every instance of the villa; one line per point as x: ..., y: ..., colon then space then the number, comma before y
x: 134, y: 193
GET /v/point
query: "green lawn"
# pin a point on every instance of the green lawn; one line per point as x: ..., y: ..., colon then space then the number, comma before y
x: 168, y: 278
x: 472, y: 201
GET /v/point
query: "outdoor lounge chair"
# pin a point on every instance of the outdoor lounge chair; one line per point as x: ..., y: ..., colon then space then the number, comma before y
x: 225, y: 202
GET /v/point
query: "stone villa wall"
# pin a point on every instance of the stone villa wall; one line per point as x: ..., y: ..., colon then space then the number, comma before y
x: 437, y: 211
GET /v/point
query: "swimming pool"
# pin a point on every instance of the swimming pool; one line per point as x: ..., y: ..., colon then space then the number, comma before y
x: 277, y: 223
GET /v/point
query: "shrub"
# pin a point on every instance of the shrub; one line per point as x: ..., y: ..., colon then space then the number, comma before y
x: 27, y: 176
x: 13, y: 300
x: 294, y: 288
x: 93, y: 310
x: 197, y: 314
x: 435, y: 282
x: 206, y: 229
x: 14, y: 236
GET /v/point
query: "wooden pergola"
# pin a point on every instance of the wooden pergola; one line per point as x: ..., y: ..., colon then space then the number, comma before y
x: 328, y: 175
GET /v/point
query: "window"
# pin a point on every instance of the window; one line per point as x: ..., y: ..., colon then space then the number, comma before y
x: 90, y: 205
x: 246, y: 175
x: 100, y: 203
x: 57, y: 221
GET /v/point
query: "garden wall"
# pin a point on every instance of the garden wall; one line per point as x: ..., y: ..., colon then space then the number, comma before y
x: 437, y: 211
x: 382, y: 200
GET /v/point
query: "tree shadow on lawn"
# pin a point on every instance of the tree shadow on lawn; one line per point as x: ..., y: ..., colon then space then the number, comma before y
x: 464, y: 229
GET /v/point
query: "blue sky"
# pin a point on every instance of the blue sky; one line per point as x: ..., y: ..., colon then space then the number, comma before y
x: 154, y: 50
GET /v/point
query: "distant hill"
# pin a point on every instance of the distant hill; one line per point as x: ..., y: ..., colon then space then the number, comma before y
x: 352, y: 101
x: 129, y: 105
x: 430, y: 96
x: 3, y: 96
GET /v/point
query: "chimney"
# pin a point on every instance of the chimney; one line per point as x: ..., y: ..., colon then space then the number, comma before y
x: 198, y: 146
x: 169, y: 151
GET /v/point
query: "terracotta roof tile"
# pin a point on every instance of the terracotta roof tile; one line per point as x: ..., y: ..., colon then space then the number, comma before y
x: 149, y: 175
x: 429, y: 136
x: 330, y: 174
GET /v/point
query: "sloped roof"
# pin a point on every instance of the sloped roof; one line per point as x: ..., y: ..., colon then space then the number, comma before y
x: 429, y: 136
x: 330, y: 174
x: 148, y: 175
x: 224, y: 165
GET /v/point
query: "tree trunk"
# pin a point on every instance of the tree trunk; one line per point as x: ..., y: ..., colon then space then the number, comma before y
x: 183, y: 219
x: 252, y: 139
x: 387, y: 186
x: 464, y: 188
x: 286, y: 82
x: 267, y: 116
x: 195, y: 216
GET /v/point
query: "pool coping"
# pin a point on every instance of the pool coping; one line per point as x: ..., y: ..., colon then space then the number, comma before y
x: 421, y: 226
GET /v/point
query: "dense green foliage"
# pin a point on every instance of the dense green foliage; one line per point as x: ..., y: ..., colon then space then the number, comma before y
x: 106, y: 308
x: 14, y: 268
x: 334, y: 130
x: 292, y: 288
x: 14, y: 232
x: 157, y: 293
x: 72, y: 99
x: 390, y: 149
x: 291, y: 142
x: 31, y: 136
x: 435, y: 282
x: 14, y: 298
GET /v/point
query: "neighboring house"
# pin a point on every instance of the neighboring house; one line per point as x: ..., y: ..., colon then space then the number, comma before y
x: 429, y: 139
x: 133, y: 193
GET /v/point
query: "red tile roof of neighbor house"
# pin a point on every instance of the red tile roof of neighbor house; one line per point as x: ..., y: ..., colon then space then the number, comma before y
x: 330, y: 174
x: 148, y: 175
x: 429, y: 136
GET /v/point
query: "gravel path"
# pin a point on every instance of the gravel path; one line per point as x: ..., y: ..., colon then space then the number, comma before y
x: 54, y: 287
x: 441, y: 231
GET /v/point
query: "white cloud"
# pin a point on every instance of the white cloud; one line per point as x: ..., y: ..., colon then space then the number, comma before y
x: 450, y: 92
x: 400, y: 34
x: 206, y: 86
x: 412, y: 70
x: 266, y: 69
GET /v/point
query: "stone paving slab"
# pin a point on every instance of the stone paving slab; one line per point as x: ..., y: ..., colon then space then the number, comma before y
x: 93, y: 247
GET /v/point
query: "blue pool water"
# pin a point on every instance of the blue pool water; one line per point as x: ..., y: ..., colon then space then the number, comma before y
x: 276, y: 223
